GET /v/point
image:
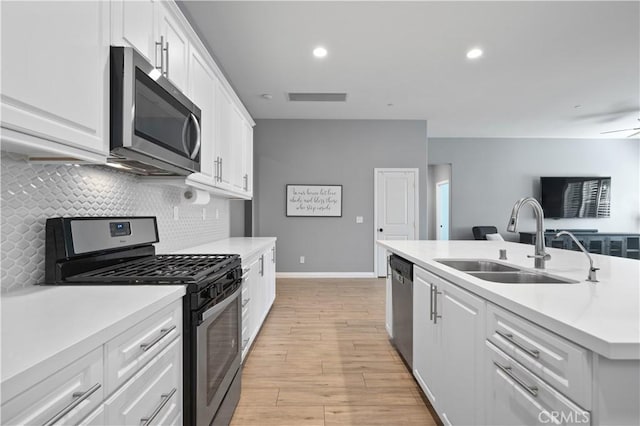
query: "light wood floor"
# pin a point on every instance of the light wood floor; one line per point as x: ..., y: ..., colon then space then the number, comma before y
x: 323, y: 358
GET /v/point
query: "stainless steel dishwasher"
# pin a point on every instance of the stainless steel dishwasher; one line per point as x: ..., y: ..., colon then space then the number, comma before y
x: 402, y: 303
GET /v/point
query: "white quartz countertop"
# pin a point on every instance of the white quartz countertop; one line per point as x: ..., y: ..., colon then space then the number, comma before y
x: 46, y: 327
x: 245, y: 247
x: 603, y: 317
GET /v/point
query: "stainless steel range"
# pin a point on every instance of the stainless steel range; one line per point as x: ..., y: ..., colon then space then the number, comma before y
x: 120, y: 251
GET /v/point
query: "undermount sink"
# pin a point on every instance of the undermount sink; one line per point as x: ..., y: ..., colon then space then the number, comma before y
x: 499, y: 273
x: 521, y: 277
x: 472, y: 265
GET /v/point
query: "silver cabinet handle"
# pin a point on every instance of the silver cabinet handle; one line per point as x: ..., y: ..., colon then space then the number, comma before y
x: 262, y: 265
x: 165, y: 397
x: 163, y: 333
x: 216, y: 175
x: 244, y: 302
x: 273, y: 253
x: 435, y: 304
x: 155, y: 62
x: 431, y: 302
x: 220, y: 168
x: 533, y: 390
x: 78, y: 398
x: 509, y: 337
x: 246, y: 182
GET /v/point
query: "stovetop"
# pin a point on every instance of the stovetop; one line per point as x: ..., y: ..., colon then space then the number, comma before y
x: 159, y: 269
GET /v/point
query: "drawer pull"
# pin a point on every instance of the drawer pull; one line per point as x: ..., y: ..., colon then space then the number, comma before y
x: 244, y: 302
x: 163, y: 333
x: 79, y: 397
x: 165, y: 397
x: 533, y: 390
x: 507, y: 336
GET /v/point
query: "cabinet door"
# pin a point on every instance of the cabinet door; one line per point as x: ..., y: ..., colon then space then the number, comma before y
x: 462, y: 326
x: 237, y: 150
x: 177, y: 45
x: 427, y: 339
x: 154, y: 390
x: 133, y: 24
x: 55, y: 71
x: 202, y: 91
x: 247, y: 158
x: 224, y: 137
x: 63, y: 398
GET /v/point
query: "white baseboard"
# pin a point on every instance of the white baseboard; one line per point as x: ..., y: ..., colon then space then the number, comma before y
x: 325, y: 275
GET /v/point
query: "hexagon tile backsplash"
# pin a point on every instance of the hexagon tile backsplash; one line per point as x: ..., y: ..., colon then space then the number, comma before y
x: 31, y: 193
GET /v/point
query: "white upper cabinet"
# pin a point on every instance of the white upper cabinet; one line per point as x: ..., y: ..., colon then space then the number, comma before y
x: 224, y: 140
x: 133, y: 24
x: 202, y: 91
x: 247, y: 154
x: 176, y: 46
x: 55, y: 77
x: 237, y: 150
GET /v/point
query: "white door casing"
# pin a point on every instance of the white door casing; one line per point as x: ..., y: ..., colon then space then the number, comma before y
x: 395, y: 209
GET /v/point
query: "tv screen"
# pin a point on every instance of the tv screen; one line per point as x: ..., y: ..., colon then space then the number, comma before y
x: 573, y: 197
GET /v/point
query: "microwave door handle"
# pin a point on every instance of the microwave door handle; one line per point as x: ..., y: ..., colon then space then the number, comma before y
x: 184, y: 135
x: 196, y: 149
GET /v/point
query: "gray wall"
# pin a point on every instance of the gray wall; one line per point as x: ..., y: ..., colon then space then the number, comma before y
x: 343, y: 152
x: 489, y: 175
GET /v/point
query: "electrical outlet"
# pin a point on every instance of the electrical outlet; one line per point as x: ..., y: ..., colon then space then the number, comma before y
x: 359, y: 219
x: 176, y: 213
x: 204, y: 213
x: 217, y: 214
x: 301, y: 259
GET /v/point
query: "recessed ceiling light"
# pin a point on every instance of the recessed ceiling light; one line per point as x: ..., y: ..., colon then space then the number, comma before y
x: 319, y: 52
x: 266, y: 96
x: 577, y: 106
x: 474, y: 53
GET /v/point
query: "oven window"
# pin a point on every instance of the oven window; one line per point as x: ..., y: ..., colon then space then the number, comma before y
x: 222, y: 347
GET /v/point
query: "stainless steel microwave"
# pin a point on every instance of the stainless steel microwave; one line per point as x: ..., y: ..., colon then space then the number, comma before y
x: 155, y: 128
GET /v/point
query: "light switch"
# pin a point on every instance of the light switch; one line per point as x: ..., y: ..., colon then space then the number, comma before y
x: 359, y: 219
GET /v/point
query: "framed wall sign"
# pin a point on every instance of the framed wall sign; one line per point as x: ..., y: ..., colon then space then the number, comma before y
x: 314, y: 200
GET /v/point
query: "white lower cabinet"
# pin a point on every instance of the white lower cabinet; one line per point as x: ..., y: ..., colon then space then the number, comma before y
x: 155, y: 392
x: 448, y: 348
x: 516, y: 396
x: 258, y: 294
x: 135, y: 378
x: 62, y: 398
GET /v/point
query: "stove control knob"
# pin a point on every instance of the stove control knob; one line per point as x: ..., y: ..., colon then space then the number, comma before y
x: 212, y: 292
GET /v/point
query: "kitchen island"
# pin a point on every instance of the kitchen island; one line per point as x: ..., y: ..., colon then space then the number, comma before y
x: 527, y: 352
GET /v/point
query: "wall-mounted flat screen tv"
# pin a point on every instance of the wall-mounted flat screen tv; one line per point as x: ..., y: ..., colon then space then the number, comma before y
x: 576, y: 197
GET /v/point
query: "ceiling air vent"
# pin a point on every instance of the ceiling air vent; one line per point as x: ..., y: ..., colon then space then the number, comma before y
x: 317, y: 97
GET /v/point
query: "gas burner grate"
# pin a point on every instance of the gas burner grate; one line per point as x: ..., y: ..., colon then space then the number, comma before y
x: 160, y: 268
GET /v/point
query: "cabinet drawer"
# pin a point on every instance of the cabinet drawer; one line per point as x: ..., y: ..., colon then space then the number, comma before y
x: 63, y: 398
x: 517, y: 396
x: 562, y: 364
x: 152, y: 394
x: 129, y: 351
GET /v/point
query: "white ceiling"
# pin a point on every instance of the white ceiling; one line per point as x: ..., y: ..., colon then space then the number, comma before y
x: 540, y: 60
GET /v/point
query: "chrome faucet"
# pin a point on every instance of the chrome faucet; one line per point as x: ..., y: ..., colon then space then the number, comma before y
x: 540, y: 256
x: 592, y: 269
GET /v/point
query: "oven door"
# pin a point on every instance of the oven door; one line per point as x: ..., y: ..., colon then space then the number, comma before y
x: 218, y: 354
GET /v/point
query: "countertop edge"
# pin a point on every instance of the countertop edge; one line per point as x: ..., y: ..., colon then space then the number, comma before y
x: 610, y: 350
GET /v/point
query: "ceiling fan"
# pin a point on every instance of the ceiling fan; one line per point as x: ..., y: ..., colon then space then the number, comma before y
x: 636, y: 131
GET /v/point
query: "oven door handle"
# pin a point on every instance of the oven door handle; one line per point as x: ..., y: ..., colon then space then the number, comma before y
x: 216, y: 309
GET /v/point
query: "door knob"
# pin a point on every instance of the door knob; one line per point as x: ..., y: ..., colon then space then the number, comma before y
x: 380, y: 230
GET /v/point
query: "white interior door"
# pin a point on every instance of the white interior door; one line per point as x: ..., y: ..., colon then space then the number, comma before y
x: 442, y: 210
x: 396, y: 209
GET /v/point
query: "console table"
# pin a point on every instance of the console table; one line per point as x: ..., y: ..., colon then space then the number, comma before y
x: 611, y: 244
